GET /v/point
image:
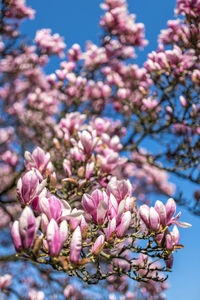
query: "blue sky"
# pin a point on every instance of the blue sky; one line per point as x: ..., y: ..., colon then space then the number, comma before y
x: 77, y: 21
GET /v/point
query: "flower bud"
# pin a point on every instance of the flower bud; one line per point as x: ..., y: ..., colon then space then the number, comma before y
x: 44, y: 223
x: 144, y: 212
x: 111, y: 229
x: 52, y: 207
x: 175, y: 235
x: 63, y: 232
x: 27, y: 227
x: 16, y: 236
x: 154, y: 219
x: 102, y: 212
x: 124, y: 224
x: 98, y: 245
x: 89, y: 170
x: 170, y: 209
x: 88, y: 143
x: 119, y: 188
x: 27, y: 187
x: 160, y: 208
x: 53, y: 238
x: 75, y: 245
x: 168, y: 241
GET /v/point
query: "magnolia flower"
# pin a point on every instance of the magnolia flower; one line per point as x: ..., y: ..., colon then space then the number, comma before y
x: 38, y: 160
x: 24, y: 231
x: 119, y: 188
x: 98, y: 245
x: 124, y: 224
x: 57, y: 209
x: 111, y: 229
x: 29, y: 188
x: 87, y: 142
x: 56, y: 236
x: 96, y: 205
x: 75, y: 245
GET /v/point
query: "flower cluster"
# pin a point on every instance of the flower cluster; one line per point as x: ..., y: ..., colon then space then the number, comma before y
x: 18, y: 10
x: 50, y: 44
x: 188, y: 8
x: 158, y: 219
x: 119, y: 23
x: 102, y: 223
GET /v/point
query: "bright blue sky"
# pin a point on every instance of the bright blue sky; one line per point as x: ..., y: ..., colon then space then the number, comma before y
x: 77, y: 21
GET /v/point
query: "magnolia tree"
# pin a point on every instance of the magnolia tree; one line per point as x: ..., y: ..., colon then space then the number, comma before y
x: 78, y: 172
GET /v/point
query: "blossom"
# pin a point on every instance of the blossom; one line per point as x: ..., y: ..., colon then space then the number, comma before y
x: 24, y: 231
x: 75, y: 245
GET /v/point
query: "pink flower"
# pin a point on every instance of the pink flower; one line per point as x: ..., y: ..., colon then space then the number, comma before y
x: 170, y: 211
x: 50, y: 44
x: 28, y: 227
x: 87, y: 142
x: 160, y: 208
x: 75, y: 245
x: 74, y: 53
x: 56, y: 236
x: 89, y: 170
x: 67, y: 167
x: 57, y: 209
x: 124, y: 224
x: 144, y: 212
x: 52, y: 207
x: 98, y: 245
x: 38, y: 160
x: 119, y: 188
x: 110, y: 230
x: 16, y: 236
x: 96, y: 205
x: 5, y: 281
x: 29, y: 188
x: 24, y: 231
